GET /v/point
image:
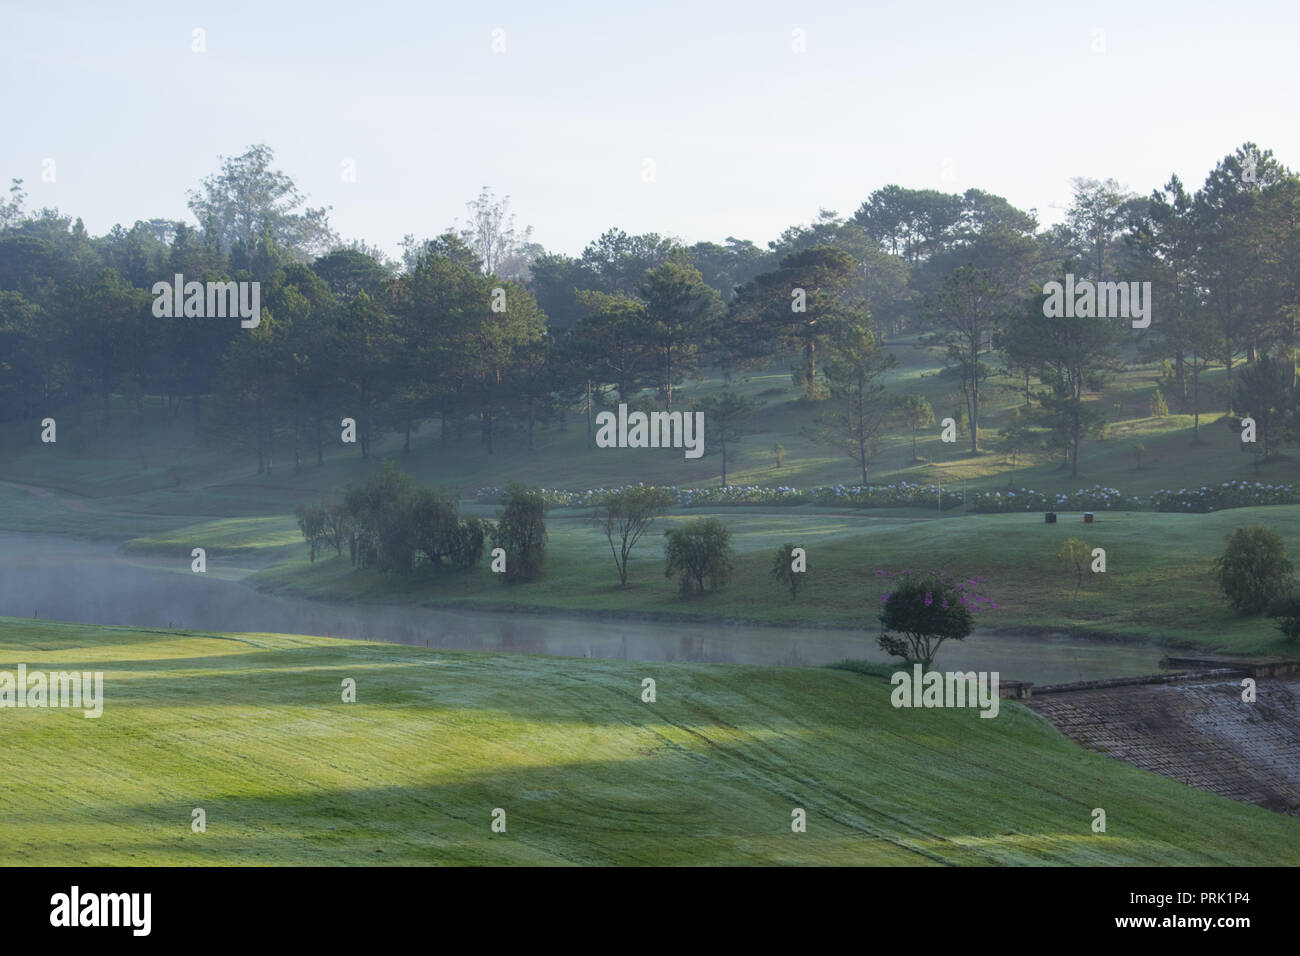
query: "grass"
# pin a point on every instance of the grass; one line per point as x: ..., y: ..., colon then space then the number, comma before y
x: 251, y: 728
x: 1158, y: 584
x: 149, y: 478
x: 229, y: 537
x: 148, y: 466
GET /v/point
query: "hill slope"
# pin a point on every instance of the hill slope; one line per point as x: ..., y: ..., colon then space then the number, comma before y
x: 251, y: 728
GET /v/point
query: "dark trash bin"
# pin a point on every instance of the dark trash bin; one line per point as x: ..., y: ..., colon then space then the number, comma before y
x: 1050, y: 517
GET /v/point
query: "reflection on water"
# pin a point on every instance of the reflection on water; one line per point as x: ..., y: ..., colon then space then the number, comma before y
x: 70, y: 580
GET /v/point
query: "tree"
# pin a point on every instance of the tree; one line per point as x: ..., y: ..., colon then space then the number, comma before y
x: 1095, y: 219
x: 1263, y: 392
x: 857, y: 411
x: 348, y: 272
x: 625, y: 514
x: 917, y: 413
x: 1016, y: 435
x: 11, y: 209
x: 920, y: 613
x: 965, y: 314
x: 614, y: 339
x: 680, y: 309
x: 323, y: 524
x: 1232, y: 241
x: 1253, y: 569
x: 555, y: 281
x: 783, y: 569
x: 725, y: 417
x: 911, y: 223
x: 521, y: 532
x: 248, y: 200
x: 368, y: 339
x: 1075, y: 554
x: 1166, y: 242
x: 491, y: 233
x: 379, y: 515
x: 699, y: 551
x: 618, y: 263
x: 1073, y: 356
x: 797, y: 307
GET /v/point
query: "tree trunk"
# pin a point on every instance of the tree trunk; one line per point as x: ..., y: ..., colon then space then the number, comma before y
x: 1196, y: 398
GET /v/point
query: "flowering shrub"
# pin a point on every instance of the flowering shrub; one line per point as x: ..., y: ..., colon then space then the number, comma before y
x: 899, y: 494
x: 1229, y: 494
x: 904, y: 494
x: 1095, y: 498
x: 924, y: 609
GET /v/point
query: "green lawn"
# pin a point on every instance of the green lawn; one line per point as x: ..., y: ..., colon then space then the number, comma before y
x: 1158, y: 584
x: 145, y: 468
x: 251, y: 728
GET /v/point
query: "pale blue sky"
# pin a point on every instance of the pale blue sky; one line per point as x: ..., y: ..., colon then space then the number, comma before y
x: 746, y: 135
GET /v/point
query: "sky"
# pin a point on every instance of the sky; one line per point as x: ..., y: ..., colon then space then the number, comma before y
x: 699, y: 120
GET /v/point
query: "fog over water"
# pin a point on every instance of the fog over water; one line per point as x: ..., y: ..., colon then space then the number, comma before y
x: 72, y: 580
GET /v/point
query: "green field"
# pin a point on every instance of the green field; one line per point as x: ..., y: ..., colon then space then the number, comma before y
x: 146, y: 467
x: 163, y: 488
x: 251, y: 728
x: 1158, y: 584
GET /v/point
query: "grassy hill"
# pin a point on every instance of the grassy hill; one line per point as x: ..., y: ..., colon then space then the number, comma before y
x: 251, y: 728
x: 148, y: 468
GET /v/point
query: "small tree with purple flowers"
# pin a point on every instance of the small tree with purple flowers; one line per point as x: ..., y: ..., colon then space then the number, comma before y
x: 924, y: 609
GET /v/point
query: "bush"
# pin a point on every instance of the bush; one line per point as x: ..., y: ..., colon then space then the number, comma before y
x: 1254, y: 569
x: 394, y: 527
x: 1286, y: 610
x: 433, y: 522
x: 521, y: 532
x: 783, y: 569
x: 468, y: 541
x: 924, y: 610
x: 699, y: 551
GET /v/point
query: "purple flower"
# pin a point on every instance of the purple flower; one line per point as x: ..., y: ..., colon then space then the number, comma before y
x: 929, y: 598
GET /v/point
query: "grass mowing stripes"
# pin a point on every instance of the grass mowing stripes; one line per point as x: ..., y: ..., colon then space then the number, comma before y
x: 252, y: 729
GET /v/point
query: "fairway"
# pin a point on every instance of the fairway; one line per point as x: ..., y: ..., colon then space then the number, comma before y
x: 252, y: 729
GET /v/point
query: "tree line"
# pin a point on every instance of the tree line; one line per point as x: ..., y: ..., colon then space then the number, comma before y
x: 481, y: 331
